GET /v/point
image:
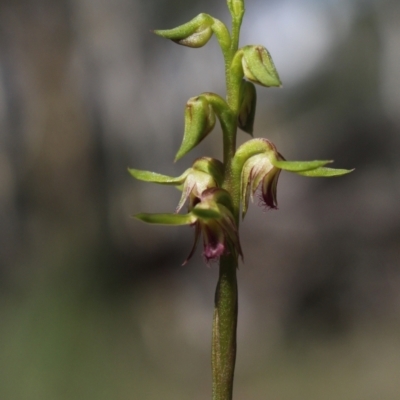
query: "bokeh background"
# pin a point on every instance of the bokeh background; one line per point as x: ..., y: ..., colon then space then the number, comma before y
x: 95, y: 305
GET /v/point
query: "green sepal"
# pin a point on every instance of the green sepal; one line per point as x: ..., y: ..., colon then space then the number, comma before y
x: 166, y: 219
x: 258, y: 66
x: 325, y: 172
x: 247, y: 110
x: 199, y: 122
x: 224, y: 198
x: 195, y: 33
x: 195, y: 184
x: 264, y: 146
x: 249, y: 149
x: 253, y: 172
x: 148, y: 176
x: 206, y: 213
x: 210, y: 166
x: 298, y: 166
x: 213, y: 203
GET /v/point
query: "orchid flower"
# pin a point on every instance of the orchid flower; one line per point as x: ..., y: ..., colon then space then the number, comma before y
x: 259, y: 164
x: 205, y: 173
x: 212, y: 218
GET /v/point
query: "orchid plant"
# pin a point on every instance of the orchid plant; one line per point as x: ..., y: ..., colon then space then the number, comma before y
x: 216, y: 192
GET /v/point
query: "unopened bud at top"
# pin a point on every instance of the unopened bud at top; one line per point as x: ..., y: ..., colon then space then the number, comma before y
x: 195, y: 33
x: 236, y: 7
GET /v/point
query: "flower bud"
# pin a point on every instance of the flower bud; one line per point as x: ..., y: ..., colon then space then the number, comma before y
x: 195, y: 33
x: 236, y: 7
x: 258, y: 66
x: 247, y: 110
x: 199, y: 122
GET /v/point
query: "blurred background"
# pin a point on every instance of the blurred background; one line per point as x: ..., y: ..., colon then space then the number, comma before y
x: 96, y: 305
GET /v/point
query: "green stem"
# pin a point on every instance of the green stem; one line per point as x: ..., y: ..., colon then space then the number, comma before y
x: 226, y: 296
x: 224, y: 330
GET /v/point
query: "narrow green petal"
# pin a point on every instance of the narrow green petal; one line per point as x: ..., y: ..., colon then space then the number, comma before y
x: 297, y: 166
x: 166, y: 219
x: 325, y: 172
x: 206, y: 213
x: 153, y: 177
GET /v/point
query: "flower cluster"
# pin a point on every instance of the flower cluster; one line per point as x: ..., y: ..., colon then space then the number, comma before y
x: 257, y: 163
x: 215, y: 191
x: 210, y: 208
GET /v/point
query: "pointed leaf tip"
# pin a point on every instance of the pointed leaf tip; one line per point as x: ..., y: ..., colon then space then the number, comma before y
x: 324, y: 172
x: 166, y: 219
x: 297, y: 166
x: 154, y: 177
x: 199, y: 122
x: 195, y: 33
